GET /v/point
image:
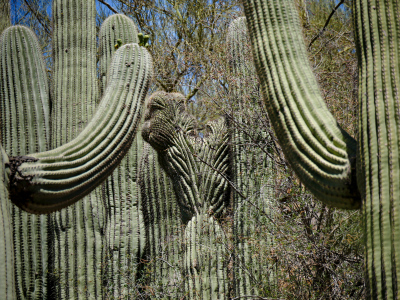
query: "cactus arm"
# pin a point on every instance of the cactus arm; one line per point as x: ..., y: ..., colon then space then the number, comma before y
x: 48, y: 181
x: 320, y: 152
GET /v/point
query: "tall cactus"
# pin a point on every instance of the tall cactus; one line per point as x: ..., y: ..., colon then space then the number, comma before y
x: 47, y: 181
x: 198, y: 167
x: 320, y: 152
x: 252, y: 170
x: 125, y: 232
x: 25, y: 113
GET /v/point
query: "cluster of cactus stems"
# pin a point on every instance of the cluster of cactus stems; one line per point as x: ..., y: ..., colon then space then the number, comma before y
x: 337, y: 169
x: 197, y: 167
x: 252, y: 170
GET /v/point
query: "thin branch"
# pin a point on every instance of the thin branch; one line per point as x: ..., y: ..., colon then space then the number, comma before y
x: 108, y: 5
x: 326, y: 23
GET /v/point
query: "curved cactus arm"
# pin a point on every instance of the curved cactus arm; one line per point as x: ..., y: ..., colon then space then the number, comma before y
x: 48, y: 181
x: 321, y: 153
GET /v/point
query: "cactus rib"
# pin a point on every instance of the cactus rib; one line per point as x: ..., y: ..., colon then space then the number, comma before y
x: 48, y: 181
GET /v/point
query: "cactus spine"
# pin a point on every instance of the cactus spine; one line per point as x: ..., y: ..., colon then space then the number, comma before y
x: 251, y: 168
x: 125, y: 232
x: 321, y: 153
x: 25, y: 112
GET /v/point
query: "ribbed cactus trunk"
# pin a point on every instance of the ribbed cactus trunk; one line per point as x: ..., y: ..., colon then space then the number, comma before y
x: 163, y: 225
x: 7, y: 275
x: 321, y: 153
x: 205, y: 264
x: 252, y: 170
x: 25, y: 113
x: 125, y: 232
x: 78, y: 230
x: 377, y: 27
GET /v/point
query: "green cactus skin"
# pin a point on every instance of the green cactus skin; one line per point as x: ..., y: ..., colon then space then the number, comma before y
x: 25, y: 111
x: 7, y: 276
x: 288, y: 87
x: 125, y: 232
x: 204, y: 259
x: 163, y: 225
x: 254, y: 180
x: 320, y: 152
x: 114, y: 28
x: 198, y: 168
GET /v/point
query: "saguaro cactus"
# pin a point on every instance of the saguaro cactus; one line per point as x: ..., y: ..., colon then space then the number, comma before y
x: 320, y: 152
x: 125, y: 232
x: 252, y: 169
x: 25, y: 113
x: 198, y: 168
